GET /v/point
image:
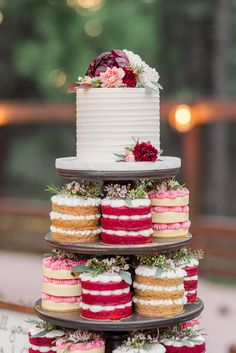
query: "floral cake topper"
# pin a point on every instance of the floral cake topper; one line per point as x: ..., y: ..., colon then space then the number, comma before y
x: 118, y: 68
x: 141, y: 152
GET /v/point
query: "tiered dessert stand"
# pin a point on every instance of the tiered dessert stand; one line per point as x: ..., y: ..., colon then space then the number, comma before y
x: 116, y: 331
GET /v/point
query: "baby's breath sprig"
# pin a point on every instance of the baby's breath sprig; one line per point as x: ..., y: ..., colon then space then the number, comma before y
x: 84, y: 189
x: 160, y: 262
x: 81, y: 336
x: 126, y: 192
x: 167, y: 184
x: 140, y: 340
x: 44, y: 326
x: 186, y: 255
x: 179, y: 333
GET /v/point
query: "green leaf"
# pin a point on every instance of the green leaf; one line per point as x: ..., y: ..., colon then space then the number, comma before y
x: 122, y: 156
x: 128, y: 202
x: 53, y: 189
x: 80, y: 268
x: 158, y: 272
x: 126, y: 277
x: 147, y: 347
x: 41, y: 333
x: 32, y: 321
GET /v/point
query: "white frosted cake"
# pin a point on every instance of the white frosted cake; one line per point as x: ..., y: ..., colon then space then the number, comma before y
x: 118, y: 117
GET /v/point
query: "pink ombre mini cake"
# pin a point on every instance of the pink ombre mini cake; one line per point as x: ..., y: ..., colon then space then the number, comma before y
x: 170, y: 209
x: 106, y: 291
x: 81, y: 341
x: 61, y: 290
x: 126, y: 216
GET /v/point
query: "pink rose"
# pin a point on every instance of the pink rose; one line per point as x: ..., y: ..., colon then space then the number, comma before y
x: 129, y: 157
x: 112, y: 77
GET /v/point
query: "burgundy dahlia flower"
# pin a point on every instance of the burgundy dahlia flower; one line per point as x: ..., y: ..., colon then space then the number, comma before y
x: 130, y: 78
x: 145, y: 152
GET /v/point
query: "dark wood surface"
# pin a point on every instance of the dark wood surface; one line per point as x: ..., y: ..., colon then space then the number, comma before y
x: 118, y: 175
x: 136, y: 322
x: 97, y: 248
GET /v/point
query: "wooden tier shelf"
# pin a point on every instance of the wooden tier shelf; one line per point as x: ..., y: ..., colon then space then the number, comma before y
x: 136, y: 322
x: 97, y: 248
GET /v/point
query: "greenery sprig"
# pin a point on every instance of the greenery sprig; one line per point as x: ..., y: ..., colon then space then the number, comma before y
x: 62, y: 254
x: 161, y: 262
x: 84, y: 189
x: 126, y: 192
x: 112, y: 265
x: 185, y: 335
x: 186, y: 255
x: 81, y: 336
x: 43, y: 325
x: 141, y: 341
x: 167, y: 184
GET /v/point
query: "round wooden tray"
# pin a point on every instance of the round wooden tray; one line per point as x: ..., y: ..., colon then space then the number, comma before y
x: 158, y: 245
x: 136, y: 322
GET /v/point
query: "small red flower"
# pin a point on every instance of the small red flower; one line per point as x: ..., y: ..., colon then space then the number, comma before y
x: 145, y: 152
x: 130, y: 78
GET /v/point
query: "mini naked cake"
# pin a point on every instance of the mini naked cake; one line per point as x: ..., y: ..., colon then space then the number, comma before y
x: 81, y: 341
x: 188, y: 260
x: 105, y: 288
x: 141, y: 342
x: 179, y: 339
x: 170, y: 209
x: 126, y: 215
x: 61, y: 290
x: 75, y: 215
x: 158, y: 287
x: 42, y: 337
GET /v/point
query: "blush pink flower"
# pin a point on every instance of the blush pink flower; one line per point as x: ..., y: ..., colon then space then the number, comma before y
x: 112, y: 77
x: 129, y: 157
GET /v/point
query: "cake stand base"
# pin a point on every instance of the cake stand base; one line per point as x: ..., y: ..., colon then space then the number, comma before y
x: 114, y: 340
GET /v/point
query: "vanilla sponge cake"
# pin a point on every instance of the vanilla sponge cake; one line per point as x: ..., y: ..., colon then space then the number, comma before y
x: 81, y: 341
x: 75, y: 219
x: 158, y: 295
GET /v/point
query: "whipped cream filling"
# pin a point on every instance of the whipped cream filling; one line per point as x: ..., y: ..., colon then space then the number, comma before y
x: 146, y: 271
x: 98, y: 308
x: 106, y: 292
x: 191, y: 291
x: 105, y: 277
x: 51, y: 334
x: 144, y: 232
x: 67, y: 217
x: 144, y: 287
x: 192, y: 278
x: 74, y: 201
x: 185, y: 342
x: 166, y: 302
x: 122, y: 203
x: 152, y: 348
x: 74, y: 232
x: 190, y: 263
x: 126, y: 218
x: 43, y: 349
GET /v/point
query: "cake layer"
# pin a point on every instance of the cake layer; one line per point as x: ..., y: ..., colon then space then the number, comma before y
x: 160, y: 282
x: 178, y: 201
x: 119, y: 207
x: 50, y: 305
x: 106, y: 299
x: 60, y: 269
x: 108, y: 121
x: 104, y: 286
x: 170, y: 230
x: 191, y: 271
x: 127, y: 225
x: 191, y: 296
x: 158, y: 310
x: 106, y: 292
x: 150, y: 294
x: 124, y: 240
x: 59, y: 274
x: 45, y: 349
x: 190, y: 285
x: 81, y: 236
x: 73, y: 203
x: 184, y: 345
x: 93, y: 346
x: 61, y: 290
x: 168, y: 233
x: 73, y: 224
x: 169, y: 217
x: 83, y: 350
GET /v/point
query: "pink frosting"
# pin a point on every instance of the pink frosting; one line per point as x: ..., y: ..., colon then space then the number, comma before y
x: 190, y: 323
x: 178, y: 209
x: 61, y: 281
x: 62, y: 344
x: 60, y: 264
x: 168, y: 194
x: 171, y: 226
x: 59, y: 299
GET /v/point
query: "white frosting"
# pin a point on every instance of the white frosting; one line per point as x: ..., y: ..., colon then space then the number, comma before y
x: 106, y: 292
x: 97, y: 308
x: 144, y: 232
x: 189, y: 263
x: 191, y: 291
x: 157, y: 302
x: 126, y: 218
x: 108, y: 119
x: 51, y: 334
x: 192, y: 278
x: 144, y: 287
x: 122, y: 203
x: 74, y: 232
x: 68, y: 217
x: 142, y: 270
x: 154, y: 348
x: 74, y: 201
x: 43, y: 349
x: 185, y: 342
x: 105, y: 277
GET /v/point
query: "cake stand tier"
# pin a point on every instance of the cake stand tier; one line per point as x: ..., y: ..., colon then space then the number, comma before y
x: 136, y: 322
x: 97, y: 248
x: 73, y: 168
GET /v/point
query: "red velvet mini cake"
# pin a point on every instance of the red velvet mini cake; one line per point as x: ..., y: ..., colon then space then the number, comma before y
x: 42, y: 338
x: 126, y: 216
x: 106, y: 290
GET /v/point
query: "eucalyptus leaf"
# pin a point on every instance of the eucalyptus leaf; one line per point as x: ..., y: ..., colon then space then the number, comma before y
x: 122, y: 156
x: 126, y: 277
x: 159, y: 271
x: 128, y: 202
x: 81, y: 268
x: 147, y: 347
x: 41, y: 333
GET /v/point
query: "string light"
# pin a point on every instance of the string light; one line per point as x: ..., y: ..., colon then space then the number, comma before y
x: 57, y: 78
x: 181, y: 118
x: 93, y: 28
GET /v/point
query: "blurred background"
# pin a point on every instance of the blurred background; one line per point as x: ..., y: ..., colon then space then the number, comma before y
x: 45, y: 45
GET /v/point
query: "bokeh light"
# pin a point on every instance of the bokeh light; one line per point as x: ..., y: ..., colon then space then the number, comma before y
x: 1, y: 17
x: 86, y: 4
x: 93, y: 27
x: 57, y: 78
x: 181, y: 118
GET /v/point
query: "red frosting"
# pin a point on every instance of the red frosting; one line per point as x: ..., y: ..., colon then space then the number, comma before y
x: 190, y: 285
x: 104, y: 286
x: 129, y: 224
x: 125, y: 240
x: 42, y: 341
x: 126, y: 211
x: 37, y: 351
x: 106, y: 299
x: 191, y: 271
x: 191, y: 297
x: 116, y: 314
x: 200, y: 348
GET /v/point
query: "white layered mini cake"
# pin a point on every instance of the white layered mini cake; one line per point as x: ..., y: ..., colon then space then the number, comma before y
x: 140, y: 342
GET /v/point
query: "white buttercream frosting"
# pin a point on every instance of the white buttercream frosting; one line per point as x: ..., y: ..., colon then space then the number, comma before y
x: 189, y: 263
x: 121, y: 203
x: 97, y: 308
x: 126, y: 218
x: 68, y: 217
x: 42, y: 349
x: 105, y: 277
x: 108, y: 120
x: 157, y: 302
x: 191, y: 278
x: 144, y: 232
x: 106, y: 292
x: 74, y: 201
x: 153, y: 348
x: 147, y: 271
x: 145, y: 287
x: 185, y: 342
x: 51, y: 334
x: 74, y: 232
